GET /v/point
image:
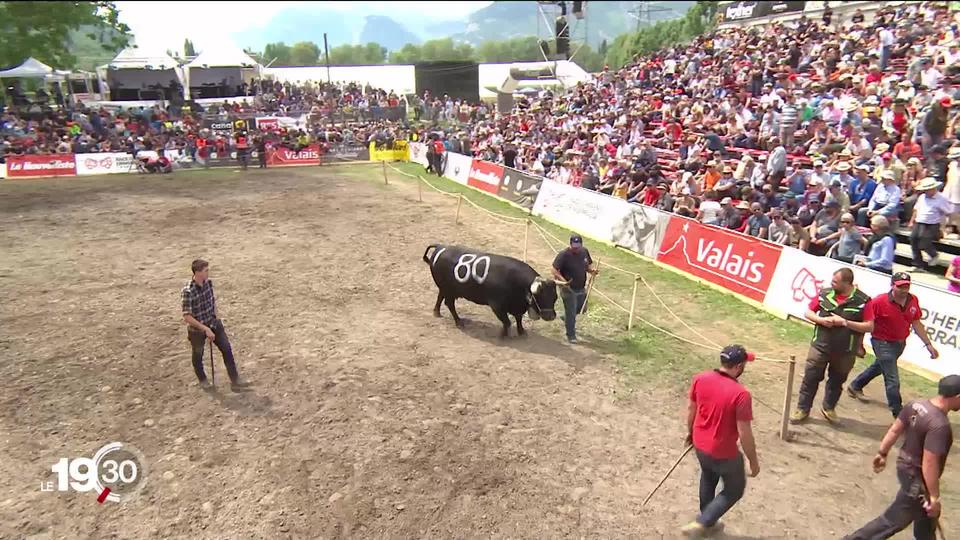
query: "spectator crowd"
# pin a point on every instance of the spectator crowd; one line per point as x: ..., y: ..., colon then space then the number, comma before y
x: 826, y: 138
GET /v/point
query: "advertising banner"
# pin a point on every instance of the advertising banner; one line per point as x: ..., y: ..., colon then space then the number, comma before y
x: 744, y: 10
x: 800, y: 276
x: 41, y: 165
x: 457, y: 167
x: 222, y: 128
x: 395, y: 152
x: 280, y: 156
x: 418, y: 153
x: 515, y: 183
x: 485, y: 176
x: 736, y: 262
x: 637, y: 228
x: 107, y: 163
x: 346, y: 152
x: 3, y: 170
x: 268, y: 124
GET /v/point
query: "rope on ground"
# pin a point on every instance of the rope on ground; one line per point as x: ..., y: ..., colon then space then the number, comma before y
x: 401, y: 172
x: 494, y: 214
x: 608, y: 299
x: 435, y: 188
x: 677, y: 317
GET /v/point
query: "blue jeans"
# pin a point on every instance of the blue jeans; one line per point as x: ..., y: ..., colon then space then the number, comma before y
x: 572, y: 304
x: 714, y: 505
x: 887, y: 353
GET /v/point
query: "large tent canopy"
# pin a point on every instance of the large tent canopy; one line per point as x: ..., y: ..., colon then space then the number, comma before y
x: 138, y: 74
x: 219, y: 72
x: 31, y: 68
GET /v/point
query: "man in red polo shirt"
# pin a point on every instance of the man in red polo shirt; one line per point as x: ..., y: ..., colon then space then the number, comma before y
x: 892, y: 315
x: 719, y: 413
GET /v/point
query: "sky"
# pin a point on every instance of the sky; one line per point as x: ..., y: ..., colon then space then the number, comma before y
x: 158, y: 26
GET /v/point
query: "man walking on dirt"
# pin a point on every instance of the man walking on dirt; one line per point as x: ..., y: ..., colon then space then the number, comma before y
x: 719, y: 413
x: 200, y: 314
x: 837, y: 314
x: 891, y: 316
x: 920, y: 463
x: 571, y: 266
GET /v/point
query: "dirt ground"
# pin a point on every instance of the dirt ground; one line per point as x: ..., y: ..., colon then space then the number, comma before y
x: 369, y: 417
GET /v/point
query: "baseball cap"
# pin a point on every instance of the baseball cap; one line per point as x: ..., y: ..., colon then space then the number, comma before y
x: 732, y: 355
x: 949, y: 386
x: 576, y: 239
x: 900, y: 278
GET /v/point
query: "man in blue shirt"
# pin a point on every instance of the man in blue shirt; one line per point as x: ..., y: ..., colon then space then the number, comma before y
x: 861, y: 190
x: 884, y: 202
x: 881, y: 247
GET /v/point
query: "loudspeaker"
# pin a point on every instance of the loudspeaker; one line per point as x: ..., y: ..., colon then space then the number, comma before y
x: 545, y: 49
x: 578, y: 9
x: 563, y: 37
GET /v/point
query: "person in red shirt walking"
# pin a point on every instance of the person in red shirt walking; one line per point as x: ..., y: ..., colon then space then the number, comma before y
x: 720, y: 412
x: 891, y: 316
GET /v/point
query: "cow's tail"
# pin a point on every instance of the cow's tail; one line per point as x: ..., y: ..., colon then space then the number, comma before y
x: 426, y: 259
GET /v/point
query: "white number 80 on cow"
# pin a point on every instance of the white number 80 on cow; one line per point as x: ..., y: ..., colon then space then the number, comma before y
x: 470, y: 264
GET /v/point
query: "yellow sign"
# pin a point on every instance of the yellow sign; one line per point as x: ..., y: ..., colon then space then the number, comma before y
x: 398, y: 151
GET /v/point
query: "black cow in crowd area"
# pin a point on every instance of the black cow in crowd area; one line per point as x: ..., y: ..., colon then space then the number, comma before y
x: 509, y: 286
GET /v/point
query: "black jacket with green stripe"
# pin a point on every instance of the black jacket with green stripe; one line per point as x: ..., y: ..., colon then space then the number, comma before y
x: 840, y: 338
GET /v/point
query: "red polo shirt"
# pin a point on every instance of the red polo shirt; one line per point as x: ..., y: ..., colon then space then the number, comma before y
x: 721, y: 403
x: 891, y: 322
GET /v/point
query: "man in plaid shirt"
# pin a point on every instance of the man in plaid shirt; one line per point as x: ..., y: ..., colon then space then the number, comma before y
x: 200, y: 314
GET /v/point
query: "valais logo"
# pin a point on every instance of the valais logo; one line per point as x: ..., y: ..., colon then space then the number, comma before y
x: 290, y: 155
x: 736, y: 262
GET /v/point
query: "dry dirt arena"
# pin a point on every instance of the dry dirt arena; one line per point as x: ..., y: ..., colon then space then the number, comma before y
x: 369, y: 418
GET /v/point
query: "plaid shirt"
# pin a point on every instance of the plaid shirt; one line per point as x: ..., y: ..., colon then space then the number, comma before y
x: 198, y: 301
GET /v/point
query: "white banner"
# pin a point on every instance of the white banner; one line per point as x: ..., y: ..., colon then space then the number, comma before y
x: 458, y: 167
x: 3, y: 170
x: 799, y: 277
x: 418, y: 153
x: 105, y: 163
x: 635, y: 227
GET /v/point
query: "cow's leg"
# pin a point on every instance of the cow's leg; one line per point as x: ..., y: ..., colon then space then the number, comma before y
x: 436, y: 308
x: 453, y: 310
x: 504, y: 318
x: 520, y: 330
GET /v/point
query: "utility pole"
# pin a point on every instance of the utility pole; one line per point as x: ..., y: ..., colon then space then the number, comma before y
x: 326, y: 54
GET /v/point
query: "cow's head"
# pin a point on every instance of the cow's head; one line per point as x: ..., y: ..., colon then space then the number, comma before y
x: 542, y: 297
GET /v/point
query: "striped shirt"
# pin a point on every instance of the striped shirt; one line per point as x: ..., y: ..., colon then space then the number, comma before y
x: 199, y: 302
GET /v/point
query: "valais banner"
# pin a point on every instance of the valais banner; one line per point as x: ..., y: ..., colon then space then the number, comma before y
x: 485, y: 176
x: 742, y: 264
x: 285, y: 156
x: 800, y: 276
x: 107, y: 163
x: 41, y: 165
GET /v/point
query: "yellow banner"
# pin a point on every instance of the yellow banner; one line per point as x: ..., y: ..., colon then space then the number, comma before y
x: 399, y: 151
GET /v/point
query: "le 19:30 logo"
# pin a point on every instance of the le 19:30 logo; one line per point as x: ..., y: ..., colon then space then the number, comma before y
x: 117, y: 472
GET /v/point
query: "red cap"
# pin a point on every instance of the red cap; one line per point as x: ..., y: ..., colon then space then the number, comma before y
x: 886, y: 155
x: 946, y: 101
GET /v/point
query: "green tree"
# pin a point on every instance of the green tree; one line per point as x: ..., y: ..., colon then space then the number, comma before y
x: 697, y: 20
x: 304, y: 53
x: 602, y: 49
x: 277, y: 53
x: 358, y: 55
x: 43, y: 30
x: 433, y: 50
x: 188, y: 48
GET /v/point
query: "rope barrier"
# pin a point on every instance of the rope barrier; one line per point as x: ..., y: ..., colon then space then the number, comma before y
x: 677, y: 317
x: 492, y: 213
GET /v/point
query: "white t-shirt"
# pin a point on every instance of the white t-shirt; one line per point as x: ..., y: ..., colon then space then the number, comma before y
x: 709, y: 212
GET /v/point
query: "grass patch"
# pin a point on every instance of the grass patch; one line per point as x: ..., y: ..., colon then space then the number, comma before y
x: 645, y: 355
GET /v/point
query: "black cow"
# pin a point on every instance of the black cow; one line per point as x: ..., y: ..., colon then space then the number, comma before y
x: 507, y: 285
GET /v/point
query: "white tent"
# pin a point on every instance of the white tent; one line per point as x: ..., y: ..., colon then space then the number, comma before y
x: 31, y: 68
x: 136, y: 74
x: 219, y: 72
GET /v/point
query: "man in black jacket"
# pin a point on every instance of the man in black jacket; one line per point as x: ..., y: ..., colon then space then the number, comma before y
x: 837, y: 339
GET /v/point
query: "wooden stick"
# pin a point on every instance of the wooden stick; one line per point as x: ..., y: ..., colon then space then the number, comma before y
x: 419, y: 189
x: 384, y: 162
x: 213, y: 369
x: 787, y: 400
x: 664, y: 479
x: 633, y: 302
x: 459, y: 203
x: 593, y: 278
x: 526, y: 235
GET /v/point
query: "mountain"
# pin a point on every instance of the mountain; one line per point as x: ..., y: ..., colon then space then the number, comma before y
x: 498, y: 21
x: 602, y: 20
x: 386, y: 32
